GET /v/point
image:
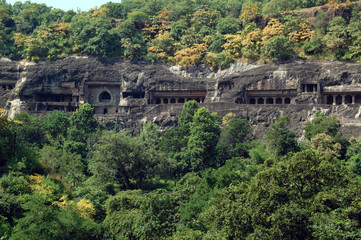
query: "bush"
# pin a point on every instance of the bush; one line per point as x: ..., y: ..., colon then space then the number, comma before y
x: 314, y: 46
x: 278, y: 48
x: 219, y: 60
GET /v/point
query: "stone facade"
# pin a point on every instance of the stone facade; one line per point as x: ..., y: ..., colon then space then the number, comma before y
x: 133, y: 93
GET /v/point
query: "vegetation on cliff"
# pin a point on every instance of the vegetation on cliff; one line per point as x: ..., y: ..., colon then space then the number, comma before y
x: 207, y: 178
x: 213, y: 32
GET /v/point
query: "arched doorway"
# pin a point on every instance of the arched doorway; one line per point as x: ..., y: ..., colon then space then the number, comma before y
x: 269, y: 101
x: 105, y: 97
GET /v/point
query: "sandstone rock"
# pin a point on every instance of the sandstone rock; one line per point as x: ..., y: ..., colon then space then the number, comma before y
x: 127, y: 94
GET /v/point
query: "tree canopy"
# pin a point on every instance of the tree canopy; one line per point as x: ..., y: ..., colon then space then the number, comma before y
x: 206, y: 177
x: 211, y: 32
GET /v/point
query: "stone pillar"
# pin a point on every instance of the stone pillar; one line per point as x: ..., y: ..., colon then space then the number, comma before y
x: 353, y: 99
x: 283, y: 100
x: 334, y: 99
x: 161, y: 101
x: 324, y: 99
x: 264, y: 100
x: 274, y: 100
x: 343, y: 99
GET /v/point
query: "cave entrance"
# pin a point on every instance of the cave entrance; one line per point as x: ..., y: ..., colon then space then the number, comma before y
x: 104, y: 97
x: 348, y: 99
x: 269, y: 100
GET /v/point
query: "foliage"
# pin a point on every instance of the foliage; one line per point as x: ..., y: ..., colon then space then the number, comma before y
x: 156, y: 212
x: 180, y: 32
x: 250, y: 12
x: 44, y: 221
x: 314, y: 46
x: 29, y: 131
x: 234, y: 139
x: 82, y: 125
x: 63, y: 178
x: 7, y: 139
x: 120, y: 159
x: 322, y: 124
x: 204, y: 134
x: 278, y: 48
x: 190, y: 56
x: 56, y: 124
x: 280, y: 139
x: 220, y: 184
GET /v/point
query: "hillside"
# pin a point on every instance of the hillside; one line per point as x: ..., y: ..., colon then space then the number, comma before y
x: 187, y: 119
x: 128, y: 94
x: 188, y: 33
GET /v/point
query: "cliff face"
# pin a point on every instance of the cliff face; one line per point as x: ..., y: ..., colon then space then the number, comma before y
x: 133, y: 93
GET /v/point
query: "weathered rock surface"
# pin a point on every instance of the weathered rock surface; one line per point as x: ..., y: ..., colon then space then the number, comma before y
x: 130, y: 94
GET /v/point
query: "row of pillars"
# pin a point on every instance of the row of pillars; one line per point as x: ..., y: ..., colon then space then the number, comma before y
x: 340, y: 99
x: 279, y: 100
x: 309, y: 88
x: 8, y: 87
x: 175, y: 100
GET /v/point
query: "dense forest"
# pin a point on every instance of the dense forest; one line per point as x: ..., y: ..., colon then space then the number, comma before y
x: 185, y: 32
x: 68, y: 177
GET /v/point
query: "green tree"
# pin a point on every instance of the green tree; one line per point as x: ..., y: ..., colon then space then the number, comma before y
x: 203, y: 138
x: 186, y: 116
x: 176, y: 139
x: 314, y: 46
x: 322, y: 124
x: 93, y: 36
x: 30, y: 131
x: 7, y: 139
x: 235, y: 139
x: 285, y: 198
x: 59, y: 162
x: 46, y: 221
x: 280, y: 139
x: 121, y: 159
x: 82, y: 123
x: 56, y: 124
x: 30, y: 16
x: 135, y: 215
x: 278, y: 48
x: 336, y: 38
x: 228, y: 25
x: 150, y: 134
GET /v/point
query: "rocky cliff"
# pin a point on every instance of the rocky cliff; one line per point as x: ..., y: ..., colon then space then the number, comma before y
x: 130, y: 94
